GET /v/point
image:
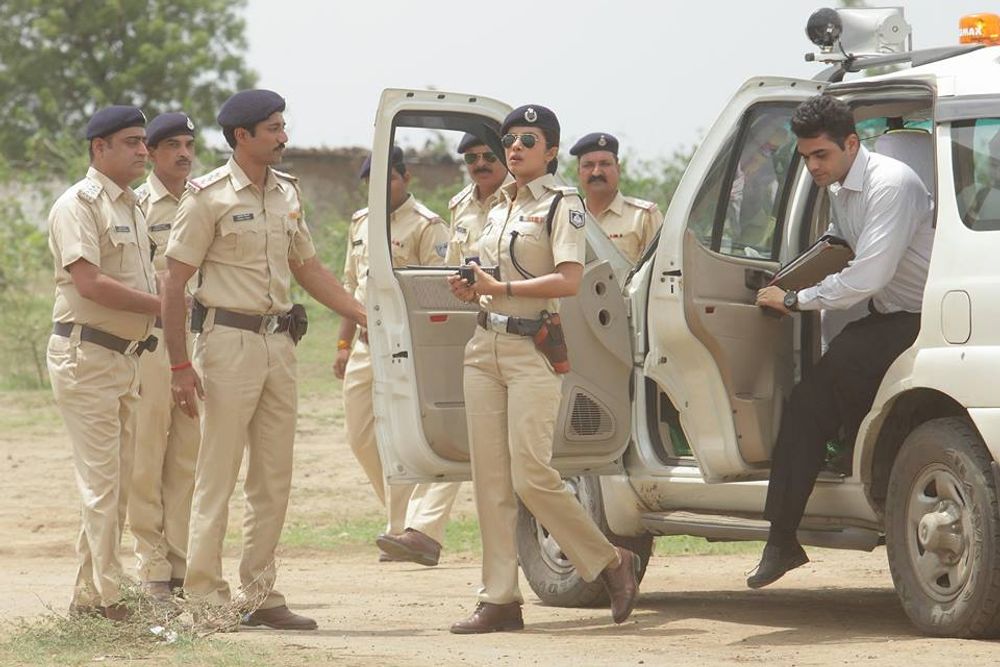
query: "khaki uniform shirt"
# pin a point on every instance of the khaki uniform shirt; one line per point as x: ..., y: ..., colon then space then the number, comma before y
x: 242, y: 239
x: 97, y: 221
x: 468, y: 217
x: 630, y: 223
x: 419, y: 237
x: 160, y: 209
x: 524, y: 211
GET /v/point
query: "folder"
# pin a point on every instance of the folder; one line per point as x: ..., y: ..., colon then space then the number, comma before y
x: 827, y: 256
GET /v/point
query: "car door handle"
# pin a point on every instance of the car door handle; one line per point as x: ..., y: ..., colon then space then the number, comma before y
x: 756, y: 279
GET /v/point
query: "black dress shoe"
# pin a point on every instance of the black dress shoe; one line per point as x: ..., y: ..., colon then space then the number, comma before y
x: 775, y: 562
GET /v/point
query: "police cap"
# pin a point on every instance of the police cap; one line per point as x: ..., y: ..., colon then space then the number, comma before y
x: 167, y: 125
x: 394, y: 159
x: 595, y: 141
x: 249, y: 107
x: 109, y: 120
x: 468, y: 141
x: 533, y: 115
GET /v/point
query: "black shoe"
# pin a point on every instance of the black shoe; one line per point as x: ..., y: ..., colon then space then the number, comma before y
x: 775, y: 562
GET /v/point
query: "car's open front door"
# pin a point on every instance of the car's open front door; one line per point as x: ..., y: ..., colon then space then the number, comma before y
x: 725, y: 364
x: 418, y: 330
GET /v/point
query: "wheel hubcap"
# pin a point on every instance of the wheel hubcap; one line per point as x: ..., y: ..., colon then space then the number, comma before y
x: 552, y: 553
x: 939, y: 521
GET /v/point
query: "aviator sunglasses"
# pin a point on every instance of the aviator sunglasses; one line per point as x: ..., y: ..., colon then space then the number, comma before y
x: 527, y: 140
x: 472, y: 158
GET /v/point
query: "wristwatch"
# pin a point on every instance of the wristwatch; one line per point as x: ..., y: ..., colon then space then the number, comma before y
x: 791, y: 300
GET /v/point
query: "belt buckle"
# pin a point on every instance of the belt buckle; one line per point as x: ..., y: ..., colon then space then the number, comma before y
x: 270, y: 324
x: 498, y: 322
x: 132, y: 347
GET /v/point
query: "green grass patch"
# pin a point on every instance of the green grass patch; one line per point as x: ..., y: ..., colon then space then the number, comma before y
x: 461, y: 534
x: 686, y: 545
x: 29, y: 413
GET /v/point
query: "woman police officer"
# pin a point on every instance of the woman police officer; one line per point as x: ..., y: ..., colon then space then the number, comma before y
x: 512, y: 393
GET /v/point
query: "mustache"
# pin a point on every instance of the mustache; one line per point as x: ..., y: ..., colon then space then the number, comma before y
x: 595, y: 179
x: 280, y: 147
x: 482, y: 170
x: 183, y: 163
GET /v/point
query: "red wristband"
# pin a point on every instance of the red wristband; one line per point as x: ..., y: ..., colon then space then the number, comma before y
x: 180, y: 367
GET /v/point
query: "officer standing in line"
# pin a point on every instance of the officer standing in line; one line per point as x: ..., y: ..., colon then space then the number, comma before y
x: 469, y: 207
x: 167, y: 445
x: 512, y: 391
x: 241, y: 227
x: 103, y: 314
x: 630, y: 222
x: 884, y: 212
x: 417, y: 514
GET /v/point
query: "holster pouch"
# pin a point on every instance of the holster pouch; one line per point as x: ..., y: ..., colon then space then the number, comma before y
x: 550, y: 341
x: 198, y: 313
x: 298, y: 322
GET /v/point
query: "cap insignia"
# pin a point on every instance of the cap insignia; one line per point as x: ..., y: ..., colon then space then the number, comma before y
x: 190, y: 124
x: 531, y: 115
x: 602, y: 141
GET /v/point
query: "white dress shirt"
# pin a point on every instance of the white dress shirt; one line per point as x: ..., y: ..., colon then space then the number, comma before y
x: 884, y: 212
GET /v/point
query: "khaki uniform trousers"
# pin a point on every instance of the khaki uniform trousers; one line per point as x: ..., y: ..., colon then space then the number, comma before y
x: 97, y: 392
x: 423, y: 507
x: 512, y: 400
x: 250, y: 403
x: 163, y: 472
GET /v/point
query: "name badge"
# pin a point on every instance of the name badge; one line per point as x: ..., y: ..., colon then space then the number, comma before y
x: 240, y: 217
x: 122, y: 228
x: 162, y: 227
x: 355, y: 244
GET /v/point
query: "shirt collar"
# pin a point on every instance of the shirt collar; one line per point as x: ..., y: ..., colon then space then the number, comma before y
x: 114, y: 192
x: 241, y: 180
x: 404, y: 208
x: 855, y: 179
x: 535, y: 188
x: 157, y: 190
x: 617, y: 205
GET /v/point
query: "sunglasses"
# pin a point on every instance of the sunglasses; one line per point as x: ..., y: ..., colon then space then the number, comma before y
x: 527, y: 140
x: 473, y: 158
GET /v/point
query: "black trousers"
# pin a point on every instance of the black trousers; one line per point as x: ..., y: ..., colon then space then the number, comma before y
x: 838, y: 393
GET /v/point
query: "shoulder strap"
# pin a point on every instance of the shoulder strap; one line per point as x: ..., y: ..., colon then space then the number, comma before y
x: 552, y: 211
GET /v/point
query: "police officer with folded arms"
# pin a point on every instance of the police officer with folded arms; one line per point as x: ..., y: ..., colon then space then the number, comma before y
x: 469, y: 207
x: 882, y: 209
x: 630, y: 222
x: 103, y: 320
x: 167, y: 443
x: 241, y: 227
x: 513, y: 391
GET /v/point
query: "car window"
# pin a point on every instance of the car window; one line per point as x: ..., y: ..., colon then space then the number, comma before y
x: 737, y: 210
x: 976, y: 163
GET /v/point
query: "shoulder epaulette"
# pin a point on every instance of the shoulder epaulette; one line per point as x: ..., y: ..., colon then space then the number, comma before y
x: 196, y: 185
x: 359, y: 214
x: 286, y: 176
x: 640, y: 203
x: 89, y: 190
x: 461, y: 196
x: 566, y: 190
x: 425, y: 212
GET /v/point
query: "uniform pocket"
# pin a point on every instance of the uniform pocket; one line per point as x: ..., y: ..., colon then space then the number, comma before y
x: 124, y: 244
x: 237, y: 236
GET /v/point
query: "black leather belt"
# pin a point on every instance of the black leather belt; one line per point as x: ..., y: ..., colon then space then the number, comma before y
x: 261, y: 324
x: 104, y: 339
x: 519, y: 326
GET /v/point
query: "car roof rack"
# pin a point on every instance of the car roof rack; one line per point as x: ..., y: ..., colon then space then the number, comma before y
x: 836, y: 73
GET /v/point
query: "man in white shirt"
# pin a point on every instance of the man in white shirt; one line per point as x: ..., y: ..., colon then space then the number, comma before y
x: 884, y: 212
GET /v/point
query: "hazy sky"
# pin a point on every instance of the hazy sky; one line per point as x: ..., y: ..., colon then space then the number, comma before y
x: 655, y: 74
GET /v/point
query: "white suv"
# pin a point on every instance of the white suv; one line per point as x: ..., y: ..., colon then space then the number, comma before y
x: 677, y: 385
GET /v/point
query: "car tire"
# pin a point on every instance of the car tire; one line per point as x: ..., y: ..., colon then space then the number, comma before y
x: 943, y: 530
x: 549, y: 573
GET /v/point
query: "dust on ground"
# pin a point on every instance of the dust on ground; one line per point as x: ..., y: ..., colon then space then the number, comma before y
x: 839, y: 609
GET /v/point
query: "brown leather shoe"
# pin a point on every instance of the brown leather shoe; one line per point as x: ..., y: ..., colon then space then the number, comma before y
x: 279, y: 618
x: 117, y: 612
x: 622, y: 583
x: 489, y: 617
x: 158, y: 590
x: 411, y: 546
x: 384, y: 557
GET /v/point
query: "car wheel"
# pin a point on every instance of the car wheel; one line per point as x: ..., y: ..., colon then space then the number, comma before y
x: 549, y: 573
x: 943, y: 530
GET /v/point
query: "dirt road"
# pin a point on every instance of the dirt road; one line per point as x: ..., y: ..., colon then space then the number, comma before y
x: 839, y: 609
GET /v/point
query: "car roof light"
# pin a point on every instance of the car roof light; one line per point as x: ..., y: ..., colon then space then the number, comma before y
x: 979, y: 29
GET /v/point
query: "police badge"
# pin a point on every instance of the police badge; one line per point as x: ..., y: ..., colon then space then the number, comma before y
x: 577, y: 218
x: 441, y: 249
x: 531, y: 115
